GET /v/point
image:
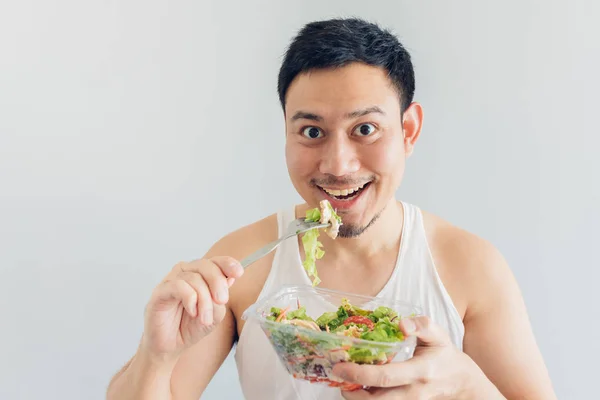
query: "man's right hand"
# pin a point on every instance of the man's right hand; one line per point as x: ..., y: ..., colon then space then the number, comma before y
x: 187, y: 305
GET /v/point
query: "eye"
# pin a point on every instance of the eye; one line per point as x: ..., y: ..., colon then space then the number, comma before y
x: 312, y: 132
x: 364, y: 130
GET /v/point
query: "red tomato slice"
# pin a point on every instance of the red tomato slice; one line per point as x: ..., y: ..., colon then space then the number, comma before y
x: 359, y: 319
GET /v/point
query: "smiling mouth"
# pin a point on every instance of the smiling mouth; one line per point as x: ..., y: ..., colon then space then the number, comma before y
x: 345, y: 194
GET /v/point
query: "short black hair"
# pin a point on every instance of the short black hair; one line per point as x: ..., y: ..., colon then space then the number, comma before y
x: 338, y: 42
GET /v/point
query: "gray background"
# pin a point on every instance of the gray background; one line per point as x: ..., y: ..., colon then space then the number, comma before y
x: 133, y: 134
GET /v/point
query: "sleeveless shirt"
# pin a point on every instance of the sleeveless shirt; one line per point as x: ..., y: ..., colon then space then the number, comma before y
x: 414, y: 280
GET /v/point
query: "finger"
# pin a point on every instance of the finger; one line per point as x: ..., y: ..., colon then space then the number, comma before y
x: 229, y: 265
x: 177, y: 269
x: 177, y: 291
x: 216, y: 281
x: 204, y: 303
x: 383, y: 376
x: 428, y: 333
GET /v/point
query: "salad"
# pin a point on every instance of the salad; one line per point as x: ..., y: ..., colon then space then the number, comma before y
x: 310, y: 347
x: 313, y: 248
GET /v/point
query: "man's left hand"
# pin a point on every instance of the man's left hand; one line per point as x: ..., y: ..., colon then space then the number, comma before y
x: 438, y: 370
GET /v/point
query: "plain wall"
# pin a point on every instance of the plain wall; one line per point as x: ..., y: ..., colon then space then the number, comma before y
x: 134, y: 134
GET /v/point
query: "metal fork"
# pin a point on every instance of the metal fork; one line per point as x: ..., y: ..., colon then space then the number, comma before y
x: 297, y: 227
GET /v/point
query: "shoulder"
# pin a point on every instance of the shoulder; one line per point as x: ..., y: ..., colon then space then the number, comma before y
x: 244, y: 240
x: 459, y: 245
x: 469, y: 265
x: 480, y: 277
x: 239, y: 244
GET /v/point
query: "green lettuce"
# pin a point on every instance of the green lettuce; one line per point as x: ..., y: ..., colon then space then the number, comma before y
x: 334, y: 323
x: 299, y: 314
x: 326, y: 318
x: 351, y: 310
x: 313, y: 248
x: 381, y: 312
x: 313, y: 251
x: 313, y: 215
x: 286, y: 342
x: 275, y: 311
x: 327, y: 343
x: 384, y: 331
x: 367, y: 355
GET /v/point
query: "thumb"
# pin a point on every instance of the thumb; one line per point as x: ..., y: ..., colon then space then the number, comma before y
x: 428, y: 333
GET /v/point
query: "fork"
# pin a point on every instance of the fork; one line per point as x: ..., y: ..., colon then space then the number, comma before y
x: 297, y: 227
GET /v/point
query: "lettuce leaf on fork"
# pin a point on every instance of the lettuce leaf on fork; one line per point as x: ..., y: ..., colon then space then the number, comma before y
x: 313, y: 248
x: 313, y: 251
x: 313, y: 215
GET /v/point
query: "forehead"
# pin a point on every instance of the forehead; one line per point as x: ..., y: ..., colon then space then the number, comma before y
x: 336, y: 91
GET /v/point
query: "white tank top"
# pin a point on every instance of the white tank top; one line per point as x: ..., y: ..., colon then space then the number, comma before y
x: 414, y: 280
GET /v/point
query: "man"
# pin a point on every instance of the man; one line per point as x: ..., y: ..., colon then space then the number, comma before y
x: 346, y: 88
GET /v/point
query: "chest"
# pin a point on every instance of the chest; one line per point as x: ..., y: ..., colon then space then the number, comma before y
x: 358, y: 278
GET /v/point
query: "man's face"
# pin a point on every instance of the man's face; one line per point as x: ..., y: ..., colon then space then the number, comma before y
x: 345, y: 141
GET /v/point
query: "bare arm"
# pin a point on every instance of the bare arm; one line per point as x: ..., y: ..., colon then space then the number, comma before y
x: 198, y: 365
x: 498, y: 334
x: 186, y: 378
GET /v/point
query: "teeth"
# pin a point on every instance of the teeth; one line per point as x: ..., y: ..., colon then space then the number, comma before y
x: 343, y: 192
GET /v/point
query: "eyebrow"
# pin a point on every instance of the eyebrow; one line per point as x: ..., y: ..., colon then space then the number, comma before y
x: 354, y: 114
x: 307, y: 115
x: 365, y: 111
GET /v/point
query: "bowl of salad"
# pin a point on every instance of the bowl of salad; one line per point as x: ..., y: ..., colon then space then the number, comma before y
x: 311, y: 329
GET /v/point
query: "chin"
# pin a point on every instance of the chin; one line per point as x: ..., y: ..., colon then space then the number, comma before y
x: 351, y: 230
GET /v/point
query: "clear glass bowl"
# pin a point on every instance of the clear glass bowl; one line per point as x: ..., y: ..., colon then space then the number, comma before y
x: 309, y: 354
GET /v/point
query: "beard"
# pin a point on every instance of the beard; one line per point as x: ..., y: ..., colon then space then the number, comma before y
x: 348, y: 231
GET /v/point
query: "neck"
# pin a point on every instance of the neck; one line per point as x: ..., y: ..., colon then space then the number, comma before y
x: 382, y: 235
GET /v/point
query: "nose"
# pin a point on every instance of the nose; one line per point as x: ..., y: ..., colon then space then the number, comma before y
x: 339, y: 157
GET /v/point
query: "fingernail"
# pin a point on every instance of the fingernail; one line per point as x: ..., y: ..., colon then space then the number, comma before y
x: 237, y: 265
x: 240, y: 270
x: 207, y: 317
x: 230, y: 281
x: 222, y: 294
x: 409, y: 326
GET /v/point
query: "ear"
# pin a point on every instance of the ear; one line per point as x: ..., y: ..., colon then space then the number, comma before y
x: 412, y: 121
